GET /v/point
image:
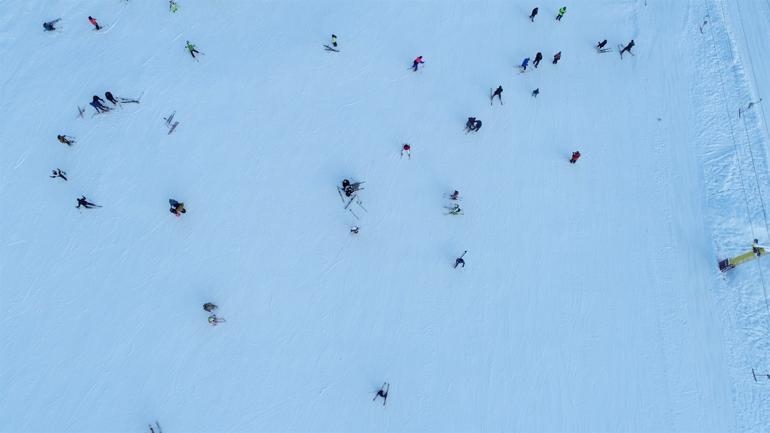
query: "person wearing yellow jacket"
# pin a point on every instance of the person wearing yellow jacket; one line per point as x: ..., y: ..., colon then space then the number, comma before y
x: 562, y: 11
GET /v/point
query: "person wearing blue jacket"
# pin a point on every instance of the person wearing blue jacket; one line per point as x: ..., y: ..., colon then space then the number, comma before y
x: 524, y: 64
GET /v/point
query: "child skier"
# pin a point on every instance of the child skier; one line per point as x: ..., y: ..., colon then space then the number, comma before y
x: 627, y: 48
x: 455, y: 210
x: 455, y: 195
x: 96, y: 25
x: 172, y: 6
x: 470, y: 124
x: 499, y: 94
x: 600, y: 45
x: 209, y: 307
x: 214, y: 320
x: 459, y: 261
x: 417, y: 62
x: 532, y: 15
x: 49, y: 26
x: 111, y: 98
x: 59, y: 173
x: 562, y: 11
x: 191, y: 48
x: 65, y: 139
x: 406, y: 149
x: 524, y: 64
x: 177, y: 208
x: 556, y: 57
x: 538, y: 58
x: 575, y: 157
x: 82, y: 201
x: 477, y: 125
x: 98, y: 104
x: 334, y: 40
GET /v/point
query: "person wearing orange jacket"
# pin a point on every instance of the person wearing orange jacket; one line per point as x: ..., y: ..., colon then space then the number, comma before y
x: 92, y: 20
x: 417, y: 62
x: 575, y: 157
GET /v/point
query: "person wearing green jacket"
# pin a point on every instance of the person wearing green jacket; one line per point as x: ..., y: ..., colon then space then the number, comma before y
x: 191, y: 48
x: 562, y: 11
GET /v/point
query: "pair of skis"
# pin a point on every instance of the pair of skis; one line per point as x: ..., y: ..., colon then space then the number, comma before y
x: 171, y: 126
x: 328, y: 48
x: 358, y: 202
x: 157, y: 426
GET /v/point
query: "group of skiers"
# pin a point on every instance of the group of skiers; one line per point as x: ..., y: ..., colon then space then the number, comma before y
x: 562, y: 11
x: 349, y: 188
x: 50, y: 26
x: 538, y: 58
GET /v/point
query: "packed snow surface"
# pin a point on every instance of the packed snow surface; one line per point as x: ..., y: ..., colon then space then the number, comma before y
x: 590, y: 300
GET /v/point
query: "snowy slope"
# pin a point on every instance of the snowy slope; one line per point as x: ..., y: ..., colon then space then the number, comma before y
x: 590, y: 300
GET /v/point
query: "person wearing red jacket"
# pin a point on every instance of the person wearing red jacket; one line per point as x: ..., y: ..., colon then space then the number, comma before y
x: 406, y: 149
x: 417, y: 62
x: 92, y: 20
x: 575, y: 157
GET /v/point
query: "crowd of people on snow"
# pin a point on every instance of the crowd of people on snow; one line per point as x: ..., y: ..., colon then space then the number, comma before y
x: 349, y: 188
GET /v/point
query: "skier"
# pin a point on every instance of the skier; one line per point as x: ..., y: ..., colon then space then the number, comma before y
x: 214, y: 320
x: 562, y: 11
x: 755, y: 248
x: 459, y: 261
x: 209, y: 307
x: 524, y: 64
x: 575, y: 157
x: 82, y: 201
x: 556, y: 57
x: 92, y: 20
x: 455, y: 210
x: 354, y: 230
x: 600, y: 45
x: 455, y: 195
x: 477, y: 126
x: 191, y: 48
x: 350, y: 188
x: 627, y: 48
x: 111, y: 98
x: 177, y: 208
x: 532, y: 15
x: 538, y: 58
x: 172, y: 6
x: 334, y: 40
x: 499, y: 94
x: 470, y: 124
x: 98, y: 104
x: 406, y: 148
x: 535, y: 92
x: 383, y: 392
x: 59, y: 173
x: 49, y: 26
x: 65, y: 139
x: 417, y: 62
